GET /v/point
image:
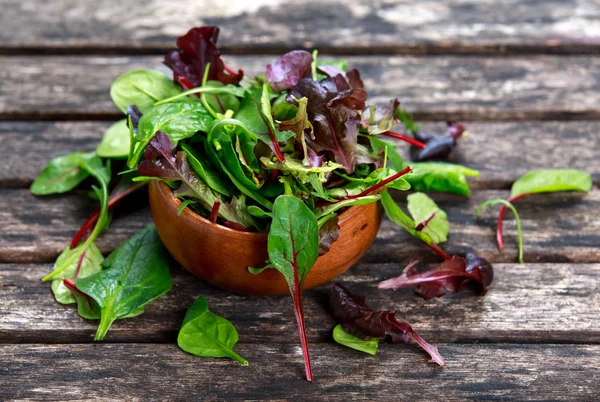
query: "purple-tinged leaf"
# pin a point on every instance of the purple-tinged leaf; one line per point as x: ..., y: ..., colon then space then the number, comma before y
x: 437, y: 146
x: 329, y: 232
x: 288, y: 70
x: 198, y: 48
x: 449, y: 276
x: 360, y: 320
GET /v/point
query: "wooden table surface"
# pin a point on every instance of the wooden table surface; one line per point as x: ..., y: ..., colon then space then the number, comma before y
x: 524, y: 75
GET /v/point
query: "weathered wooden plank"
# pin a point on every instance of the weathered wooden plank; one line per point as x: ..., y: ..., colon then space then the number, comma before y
x: 531, y: 303
x: 455, y: 26
x: 463, y: 88
x: 557, y: 227
x: 501, y: 151
x: 148, y: 372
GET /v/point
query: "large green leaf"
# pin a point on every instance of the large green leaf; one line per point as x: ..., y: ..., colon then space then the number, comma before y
x: 206, y: 334
x: 552, y: 180
x: 142, y: 88
x: 116, y: 141
x: 178, y: 119
x: 136, y: 273
x: 440, y: 176
x: 61, y: 174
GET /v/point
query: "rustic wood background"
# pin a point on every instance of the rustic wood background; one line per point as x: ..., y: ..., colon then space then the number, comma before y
x: 524, y: 75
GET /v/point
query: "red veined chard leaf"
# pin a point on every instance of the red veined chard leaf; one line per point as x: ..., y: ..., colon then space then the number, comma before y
x: 449, y: 276
x: 360, y: 320
x: 197, y: 48
x: 293, y: 246
x: 288, y: 70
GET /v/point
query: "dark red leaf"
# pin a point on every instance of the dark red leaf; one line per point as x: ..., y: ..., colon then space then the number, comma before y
x: 288, y: 70
x: 197, y: 48
x: 360, y: 320
x: 437, y: 146
x: 449, y: 276
x: 328, y: 234
x: 335, y: 118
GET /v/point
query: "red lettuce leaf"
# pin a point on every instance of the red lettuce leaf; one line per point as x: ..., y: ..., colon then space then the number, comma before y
x: 449, y: 276
x: 360, y: 320
x: 288, y: 70
x: 335, y: 118
x: 197, y: 48
x: 437, y: 146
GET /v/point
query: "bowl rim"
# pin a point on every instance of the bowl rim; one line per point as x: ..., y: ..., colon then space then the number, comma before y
x: 195, y: 218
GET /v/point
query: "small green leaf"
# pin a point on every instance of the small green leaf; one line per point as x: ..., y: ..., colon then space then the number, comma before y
x: 136, y: 273
x: 510, y: 206
x: 328, y: 209
x: 441, y: 176
x: 206, y: 334
x: 61, y: 174
x: 89, y: 265
x: 116, y: 141
x: 183, y: 205
x: 298, y: 169
x: 343, y: 338
x: 258, y: 212
x: 379, y: 146
x: 207, y: 172
x: 142, y: 88
x: 424, y: 210
x: 552, y: 180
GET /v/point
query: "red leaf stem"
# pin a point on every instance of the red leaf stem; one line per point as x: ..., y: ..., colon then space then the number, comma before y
x: 499, y: 230
x: 405, y: 138
x: 214, y: 212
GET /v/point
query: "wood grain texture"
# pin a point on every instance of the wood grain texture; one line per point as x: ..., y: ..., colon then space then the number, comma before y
x: 560, y: 227
x: 436, y: 88
x: 451, y: 26
x: 501, y: 151
x: 147, y: 372
x: 531, y: 303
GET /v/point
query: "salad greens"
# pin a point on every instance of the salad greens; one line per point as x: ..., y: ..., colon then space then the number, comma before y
x: 206, y: 334
x: 284, y: 153
x: 536, y: 181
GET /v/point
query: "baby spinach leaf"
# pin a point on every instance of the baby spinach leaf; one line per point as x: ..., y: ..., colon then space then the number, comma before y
x: 61, y: 174
x: 396, y: 215
x: 369, y: 346
x: 179, y: 120
x: 142, y: 88
x: 293, y: 246
x: 258, y: 212
x: 116, y: 141
x: 441, y: 176
x: 87, y: 264
x: 206, y: 334
x: 552, y: 180
x: 433, y: 221
x: 136, y: 273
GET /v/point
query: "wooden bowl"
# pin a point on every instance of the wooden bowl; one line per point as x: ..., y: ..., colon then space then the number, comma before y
x: 221, y: 256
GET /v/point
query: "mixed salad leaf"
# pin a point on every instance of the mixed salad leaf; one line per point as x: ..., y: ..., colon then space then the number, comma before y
x: 284, y: 153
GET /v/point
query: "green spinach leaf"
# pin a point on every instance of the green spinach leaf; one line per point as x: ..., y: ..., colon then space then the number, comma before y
x: 61, y: 174
x: 142, y: 88
x: 136, y: 273
x: 552, y: 180
x: 441, y: 176
x: 343, y: 338
x: 116, y: 141
x: 206, y: 334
